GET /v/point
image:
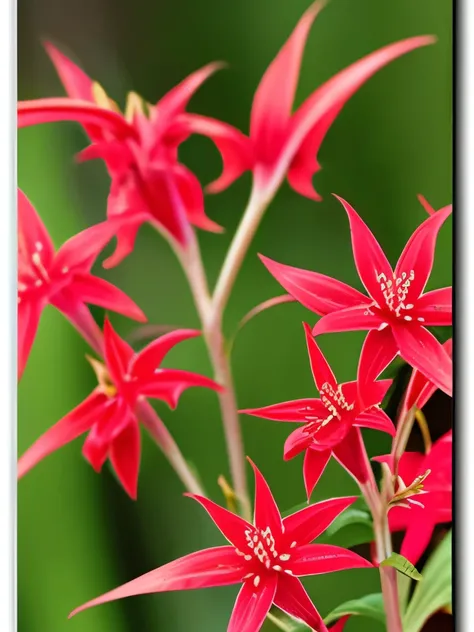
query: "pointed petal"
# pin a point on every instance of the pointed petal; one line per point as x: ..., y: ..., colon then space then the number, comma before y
x: 297, y: 441
x: 376, y: 419
x: 317, y: 292
x: 351, y: 454
x: 292, y: 598
x: 150, y: 358
x: 418, y: 255
x: 67, y: 429
x: 378, y: 351
x: 273, y: 100
x: 125, y: 457
x: 252, y: 605
x: 219, y: 566
x: 32, y: 234
x: 316, y: 559
x: 315, y: 116
x: 420, y: 389
x: 169, y: 384
x: 176, y: 100
x: 118, y: 353
x: 110, y: 423
x: 81, y: 250
x: 38, y: 111
x: 192, y: 196
x: 350, y: 319
x: 435, y: 308
x: 340, y: 625
x: 374, y: 393
x: 420, y: 348
x: 126, y: 236
x: 298, y: 410
x: 77, y: 84
x: 29, y: 314
x: 426, y: 205
x: 416, y: 539
x: 320, y: 368
x: 306, y: 525
x: 232, y: 526
x: 97, y: 291
x: 314, y: 464
x: 266, y: 512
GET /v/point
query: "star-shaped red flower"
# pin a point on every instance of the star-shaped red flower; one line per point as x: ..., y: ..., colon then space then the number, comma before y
x: 266, y: 557
x: 110, y: 414
x: 62, y: 279
x: 331, y: 423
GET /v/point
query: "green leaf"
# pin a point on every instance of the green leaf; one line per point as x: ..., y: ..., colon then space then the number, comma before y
x: 435, y: 591
x: 370, y: 606
x: 402, y: 565
x: 350, y: 517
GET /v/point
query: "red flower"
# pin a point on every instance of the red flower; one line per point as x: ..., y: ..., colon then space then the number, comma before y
x: 62, y: 279
x: 282, y: 142
x: 266, y: 557
x: 139, y: 149
x: 109, y: 414
x: 331, y: 424
x: 419, y: 519
x: 396, y: 312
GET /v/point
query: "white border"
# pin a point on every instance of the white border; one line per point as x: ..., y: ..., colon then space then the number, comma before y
x: 7, y: 313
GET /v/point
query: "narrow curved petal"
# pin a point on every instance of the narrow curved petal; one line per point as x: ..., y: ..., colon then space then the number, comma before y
x: 297, y: 441
x: 192, y: 196
x: 266, y: 512
x: 150, y: 357
x: 306, y: 525
x: 292, y: 598
x: 77, y: 84
x: 169, y: 384
x: 126, y: 236
x: 322, y: 372
x: 252, y: 605
x: 340, y: 625
x: 317, y: 292
x: 32, y: 234
x: 81, y: 250
x: 351, y: 454
x: 426, y: 205
x: 418, y: 255
x: 435, y: 308
x: 378, y: 351
x: 29, y: 314
x: 125, y: 457
x: 316, y: 559
x: 97, y: 291
x: 420, y: 348
x: 219, y: 566
x: 64, y: 431
x: 118, y: 353
x: 109, y: 424
x: 298, y: 410
x: 420, y: 389
x: 273, y: 100
x: 232, y: 526
x: 314, y: 464
x: 350, y: 319
x: 38, y: 111
x: 376, y: 419
x: 416, y: 539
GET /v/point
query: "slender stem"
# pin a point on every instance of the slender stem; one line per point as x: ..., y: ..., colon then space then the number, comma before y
x: 404, y: 427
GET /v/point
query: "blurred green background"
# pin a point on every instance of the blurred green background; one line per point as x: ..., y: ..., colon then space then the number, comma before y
x: 78, y: 533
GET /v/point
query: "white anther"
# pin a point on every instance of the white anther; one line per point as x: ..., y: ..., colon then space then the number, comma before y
x: 39, y: 283
x: 39, y: 246
x: 256, y: 581
x: 247, y: 558
x: 248, y: 576
x: 267, y: 563
x: 408, y: 318
x: 382, y: 326
x: 288, y: 572
x: 277, y: 568
x: 420, y: 319
x: 64, y: 269
x: 285, y: 557
x: 292, y: 545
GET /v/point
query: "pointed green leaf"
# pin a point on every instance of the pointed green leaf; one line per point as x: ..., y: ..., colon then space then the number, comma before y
x: 370, y: 606
x: 402, y: 565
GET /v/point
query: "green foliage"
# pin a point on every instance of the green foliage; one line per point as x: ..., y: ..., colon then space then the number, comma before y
x: 370, y: 606
x: 402, y: 565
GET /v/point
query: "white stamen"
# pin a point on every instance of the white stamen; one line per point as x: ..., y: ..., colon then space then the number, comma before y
x: 39, y: 283
x: 382, y: 326
x: 292, y: 545
x: 420, y: 319
x: 247, y: 558
x: 288, y: 572
x: 248, y: 576
x: 256, y: 581
x: 39, y: 246
x: 64, y: 269
x: 408, y: 318
x: 285, y: 557
x: 277, y: 568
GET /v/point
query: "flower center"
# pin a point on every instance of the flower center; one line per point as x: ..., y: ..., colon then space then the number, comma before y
x: 336, y: 404
x: 106, y: 384
x: 395, y: 291
x: 36, y: 277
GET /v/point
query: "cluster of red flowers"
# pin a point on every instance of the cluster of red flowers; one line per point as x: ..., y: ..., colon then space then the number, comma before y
x: 149, y: 184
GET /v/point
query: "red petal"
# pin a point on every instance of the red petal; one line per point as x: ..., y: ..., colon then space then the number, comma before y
x: 374, y: 394
x: 298, y: 410
x: 55, y: 109
x: 77, y: 84
x: 125, y: 457
x: 273, y: 100
x: 97, y: 291
x: 435, y: 308
x: 306, y: 525
x: 126, y: 236
x: 416, y: 539
x: 317, y: 292
x: 420, y: 389
x: 298, y: 441
x: 118, y: 353
x: 340, y: 625
x: 150, y: 358
x: 314, y: 464
x: 32, y: 234
x: 426, y: 205
x: 378, y: 351
x: 81, y: 250
x: 29, y: 314
x: 351, y: 454
x: 169, y: 384
x: 252, y: 605
x: 316, y: 559
x: 192, y: 196
x: 350, y: 319
x: 219, y: 566
x: 320, y: 368
x: 418, y: 254
x: 232, y: 526
x: 113, y: 419
x: 420, y: 348
x: 266, y: 512
x: 376, y: 419
x: 175, y: 100
x: 292, y: 598
x: 67, y: 429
